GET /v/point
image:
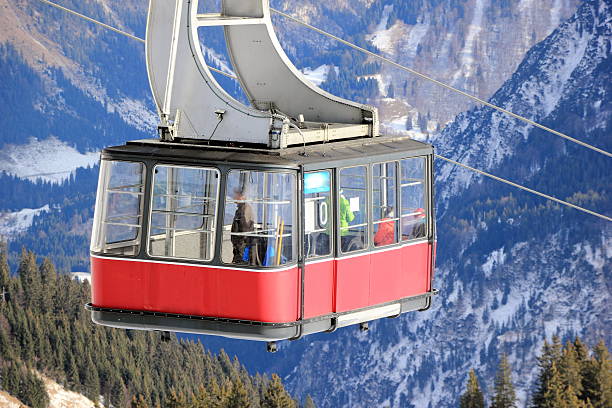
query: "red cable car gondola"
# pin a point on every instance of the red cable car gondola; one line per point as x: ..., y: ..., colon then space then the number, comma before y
x: 248, y: 223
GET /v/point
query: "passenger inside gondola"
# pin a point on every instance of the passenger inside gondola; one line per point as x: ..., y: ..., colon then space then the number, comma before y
x: 259, y: 215
x: 243, y: 222
x: 352, y: 206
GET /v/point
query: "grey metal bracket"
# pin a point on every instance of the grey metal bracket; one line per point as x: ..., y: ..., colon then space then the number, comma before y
x: 184, y: 87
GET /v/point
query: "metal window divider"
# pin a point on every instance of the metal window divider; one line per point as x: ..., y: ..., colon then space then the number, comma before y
x: 146, y: 208
x: 301, y: 255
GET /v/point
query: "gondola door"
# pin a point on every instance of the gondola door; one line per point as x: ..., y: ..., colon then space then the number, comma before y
x: 353, y: 260
x: 318, y: 243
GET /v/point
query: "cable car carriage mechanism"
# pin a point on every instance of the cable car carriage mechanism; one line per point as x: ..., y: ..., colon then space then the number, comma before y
x: 289, y: 217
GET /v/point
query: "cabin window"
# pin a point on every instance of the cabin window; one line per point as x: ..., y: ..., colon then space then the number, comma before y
x: 259, y: 220
x: 317, y: 214
x: 183, y: 208
x: 385, y: 216
x: 352, y: 209
x: 118, y: 218
x: 413, y: 211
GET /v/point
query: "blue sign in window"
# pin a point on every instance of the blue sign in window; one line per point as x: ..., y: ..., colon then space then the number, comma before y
x: 316, y: 182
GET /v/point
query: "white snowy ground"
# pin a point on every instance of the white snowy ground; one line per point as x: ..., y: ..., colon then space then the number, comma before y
x: 12, y: 223
x: 49, y: 159
x: 7, y: 401
x: 59, y: 397
x: 318, y: 75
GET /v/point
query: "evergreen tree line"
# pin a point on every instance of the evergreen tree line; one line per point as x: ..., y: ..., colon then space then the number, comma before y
x: 570, y: 376
x: 45, y: 330
x: 20, y: 193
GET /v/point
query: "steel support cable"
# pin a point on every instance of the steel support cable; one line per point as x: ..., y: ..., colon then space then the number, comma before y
x: 118, y: 31
x: 442, y: 84
x: 529, y: 190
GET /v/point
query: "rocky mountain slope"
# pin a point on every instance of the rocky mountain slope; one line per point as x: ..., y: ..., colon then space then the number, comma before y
x: 474, y: 45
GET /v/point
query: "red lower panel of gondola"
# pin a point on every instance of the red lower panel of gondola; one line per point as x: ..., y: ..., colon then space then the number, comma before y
x: 266, y: 296
x: 370, y: 279
x: 334, y: 285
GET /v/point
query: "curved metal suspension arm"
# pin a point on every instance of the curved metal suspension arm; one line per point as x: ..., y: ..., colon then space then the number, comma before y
x: 191, y: 103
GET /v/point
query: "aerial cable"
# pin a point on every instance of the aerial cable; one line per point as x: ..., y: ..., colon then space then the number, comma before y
x: 118, y: 31
x: 442, y: 84
x: 529, y: 190
x: 548, y: 197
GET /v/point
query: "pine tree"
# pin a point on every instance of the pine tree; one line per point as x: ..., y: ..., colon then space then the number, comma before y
x: 176, y: 400
x: 309, y: 403
x: 4, y: 269
x: 569, y: 367
x: 551, y: 353
x: 33, y: 391
x: 48, y: 277
x: 91, y: 380
x: 276, y: 396
x: 601, y: 389
x: 583, y: 359
x: 473, y: 397
x: 505, y: 396
x: 553, y: 396
x: 138, y: 401
x: 239, y: 398
x: 201, y: 399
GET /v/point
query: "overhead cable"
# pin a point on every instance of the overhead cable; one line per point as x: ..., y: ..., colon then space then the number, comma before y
x: 118, y: 31
x: 108, y: 27
x: 532, y: 191
x: 442, y: 84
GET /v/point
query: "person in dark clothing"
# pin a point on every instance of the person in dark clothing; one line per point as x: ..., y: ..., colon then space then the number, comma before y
x: 244, y: 221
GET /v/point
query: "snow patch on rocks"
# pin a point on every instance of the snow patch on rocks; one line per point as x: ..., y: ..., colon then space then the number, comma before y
x: 12, y: 223
x: 49, y: 159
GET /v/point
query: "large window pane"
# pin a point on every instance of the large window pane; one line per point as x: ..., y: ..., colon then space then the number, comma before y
x: 184, y: 203
x: 384, y: 196
x: 317, y: 214
x: 413, y: 214
x: 259, y: 220
x: 352, y: 209
x: 118, y: 217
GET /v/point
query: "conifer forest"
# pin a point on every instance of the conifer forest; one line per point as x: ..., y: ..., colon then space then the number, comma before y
x: 46, y: 332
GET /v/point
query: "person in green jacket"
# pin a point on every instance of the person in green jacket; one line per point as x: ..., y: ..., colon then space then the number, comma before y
x: 346, y: 215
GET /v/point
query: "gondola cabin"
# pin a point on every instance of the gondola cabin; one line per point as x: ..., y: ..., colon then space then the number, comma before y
x: 261, y: 244
x: 270, y: 221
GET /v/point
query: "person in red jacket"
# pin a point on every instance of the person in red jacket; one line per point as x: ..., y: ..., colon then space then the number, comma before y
x: 386, y: 230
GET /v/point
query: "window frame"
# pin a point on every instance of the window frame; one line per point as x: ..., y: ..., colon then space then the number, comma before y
x: 213, y: 233
x: 398, y: 197
x: 294, y: 214
x: 368, y: 207
x: 99, y: 219
x: 427, y: 198
x: 331, y: 212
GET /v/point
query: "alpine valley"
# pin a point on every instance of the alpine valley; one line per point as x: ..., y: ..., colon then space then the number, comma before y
x: 512, y: 269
